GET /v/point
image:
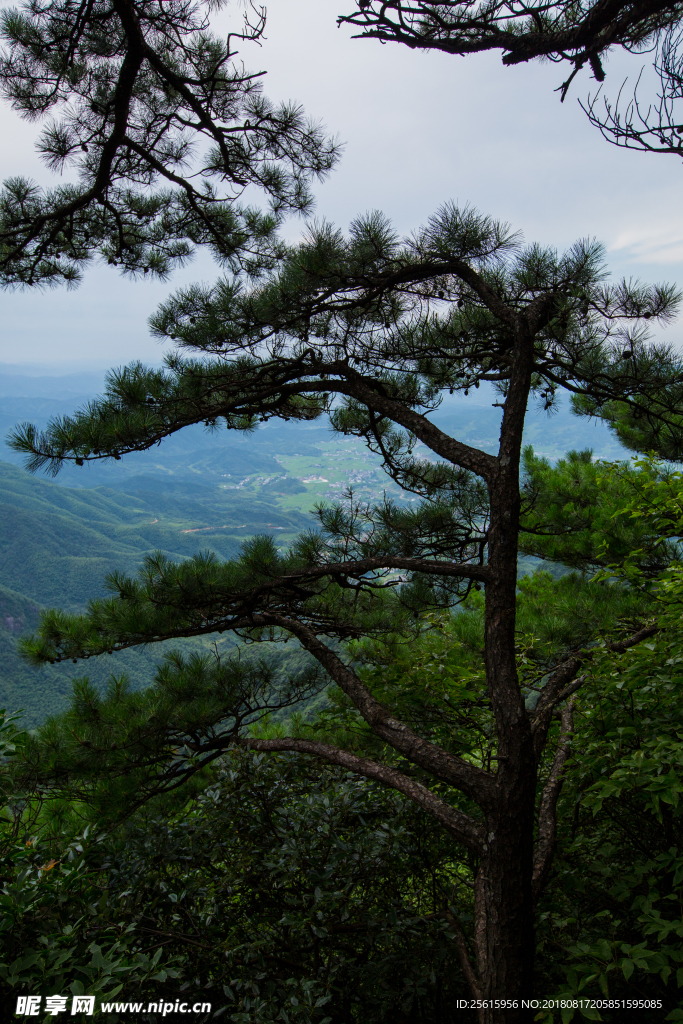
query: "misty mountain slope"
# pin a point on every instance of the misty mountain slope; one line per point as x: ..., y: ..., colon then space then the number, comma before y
x: 552, y: 435
x: 198, y: 490
x: 57, y: 545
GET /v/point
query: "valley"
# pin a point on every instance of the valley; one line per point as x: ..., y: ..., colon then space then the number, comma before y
x: 200, y: 490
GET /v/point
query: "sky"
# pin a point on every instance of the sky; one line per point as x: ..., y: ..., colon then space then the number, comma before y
x: 418, y: 129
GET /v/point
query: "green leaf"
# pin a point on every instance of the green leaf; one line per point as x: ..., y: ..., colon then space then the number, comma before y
x: 590, y: 1013
x: 627, y: 967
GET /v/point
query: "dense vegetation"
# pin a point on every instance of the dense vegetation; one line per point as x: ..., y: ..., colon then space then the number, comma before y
x: 273, y: 884
x: 432, y: 799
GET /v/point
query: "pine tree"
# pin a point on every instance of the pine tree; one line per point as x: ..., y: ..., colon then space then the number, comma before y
x: 580, y: 35
x: 575, y: 34
x: 589, y: 514
x: 164, y: 128
x: 370, y: 331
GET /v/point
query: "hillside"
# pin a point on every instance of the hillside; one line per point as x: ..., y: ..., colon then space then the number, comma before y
x: 197, y: 491
x: 58, y: 543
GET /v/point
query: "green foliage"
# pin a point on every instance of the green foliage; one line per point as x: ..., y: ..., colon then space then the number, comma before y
x: 115, y: 750
x: 134, y: 97
x: 435, y: 681
x: 611, y: 920
x: 283, y: 892
x: 108, y: 744
x: 56, y: 937
x: 269, y: 836
x: 583, y: 513
x: 653, y: 425
x: 612, y: 911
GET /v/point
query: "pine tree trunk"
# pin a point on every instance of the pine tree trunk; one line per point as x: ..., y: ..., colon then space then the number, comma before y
x: 504, y: 912
x: 504, y: 923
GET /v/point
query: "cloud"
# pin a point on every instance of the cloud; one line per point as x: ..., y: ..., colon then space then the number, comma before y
x: 419, y: 129
x: 662, y: 245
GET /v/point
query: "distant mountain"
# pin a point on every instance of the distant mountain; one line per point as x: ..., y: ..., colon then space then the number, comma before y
x: 196, y: 491
x: 22, y: 381
x: 58, y: 543
x: 477, y: 422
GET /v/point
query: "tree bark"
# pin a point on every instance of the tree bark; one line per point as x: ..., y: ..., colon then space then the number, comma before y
x: 504, y: 925
x: 504, y: 909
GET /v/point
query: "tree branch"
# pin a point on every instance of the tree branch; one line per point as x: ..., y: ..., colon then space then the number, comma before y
x: 464, y: 959
x: 561, y: 683
x: 547, y: 819
x: 474, y: 782
x: 463, y: 828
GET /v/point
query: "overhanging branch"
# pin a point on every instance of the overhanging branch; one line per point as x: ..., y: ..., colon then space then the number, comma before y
x: 463, y: 829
